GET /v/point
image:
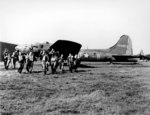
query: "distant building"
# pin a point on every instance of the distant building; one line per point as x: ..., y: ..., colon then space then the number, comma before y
x: 9, y: 46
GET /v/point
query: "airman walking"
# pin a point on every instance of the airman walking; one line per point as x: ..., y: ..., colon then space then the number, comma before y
x: 21, y: 59
x: 7, y: 58
x: 61, y: 62
x: 14, y: 58
x: 45, y: 62
x: 29, y: 61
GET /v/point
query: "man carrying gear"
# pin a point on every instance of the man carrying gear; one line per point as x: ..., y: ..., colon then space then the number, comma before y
x: 14, y: 58
x: 61, y: 62
x: 70, y: 61
x: 45, y: 62
x: 54, y: 62
x: 76, y: 61
x: 8, y: 60
x: 5, y: 54
x: 29, y: 61
x: 21, y: 58
x: 51, y: 53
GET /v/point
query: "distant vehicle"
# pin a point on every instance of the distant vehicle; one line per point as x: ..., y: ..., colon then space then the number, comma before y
x: 121, y: 52
x: 143, y: 57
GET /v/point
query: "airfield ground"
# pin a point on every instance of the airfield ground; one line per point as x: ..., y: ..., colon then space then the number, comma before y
x: 96, y: 89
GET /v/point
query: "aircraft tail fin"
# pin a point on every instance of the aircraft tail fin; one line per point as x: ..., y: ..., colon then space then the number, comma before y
x: 123, y: 46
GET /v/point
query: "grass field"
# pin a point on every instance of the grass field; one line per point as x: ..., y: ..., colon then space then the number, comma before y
x: 96, y: 89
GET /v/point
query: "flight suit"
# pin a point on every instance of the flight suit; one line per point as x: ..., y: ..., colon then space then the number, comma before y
x: 5, y: 59
x: 51, y: 53
x: 61, y: 63
x: 31, y: 61
x: 21, y: 58
x: 45, y: 63
x: 14, y: 59
x: 8, y: 61
x: 70, y: 62
x: 76, y: 61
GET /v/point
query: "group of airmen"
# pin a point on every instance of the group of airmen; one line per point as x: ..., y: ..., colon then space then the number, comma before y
x: 48, y: 58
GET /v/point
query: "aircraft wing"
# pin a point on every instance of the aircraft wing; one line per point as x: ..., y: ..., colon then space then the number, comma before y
x: 65, y: 47
x: 126, y: 58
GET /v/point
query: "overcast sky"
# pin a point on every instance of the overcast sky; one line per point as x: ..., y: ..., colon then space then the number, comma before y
x: 93, y: 23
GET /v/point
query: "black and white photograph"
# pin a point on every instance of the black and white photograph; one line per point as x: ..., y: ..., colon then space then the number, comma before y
x: 74, y: 57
